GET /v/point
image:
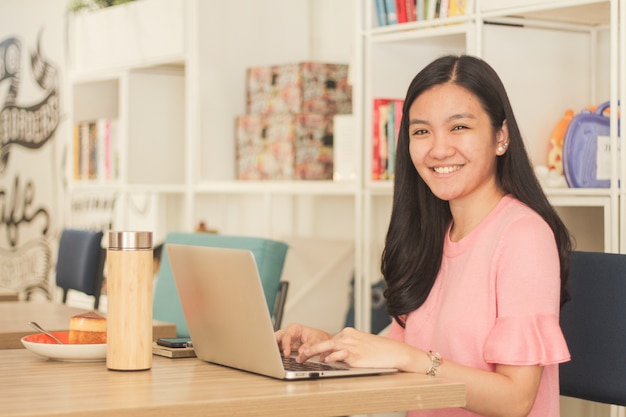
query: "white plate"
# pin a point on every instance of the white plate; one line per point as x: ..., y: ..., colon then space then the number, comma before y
x: 43, y: 345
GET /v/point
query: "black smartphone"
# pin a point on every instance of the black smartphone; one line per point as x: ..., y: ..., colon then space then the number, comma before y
x: 175, y: 342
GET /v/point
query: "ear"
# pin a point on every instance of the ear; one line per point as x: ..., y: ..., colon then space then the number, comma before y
x: 502, y: 139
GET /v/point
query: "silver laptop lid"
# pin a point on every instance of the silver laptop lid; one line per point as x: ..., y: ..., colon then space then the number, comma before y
x: 225, y: 327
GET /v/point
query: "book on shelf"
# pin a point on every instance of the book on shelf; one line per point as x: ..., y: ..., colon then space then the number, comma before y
x: 376, y: 117
x: 401, y: 11
x: 107, y: 154
x: 95, y: 154
x: 420, y: 10
x: 456, y: 7
x: 387, y: 115
x: 437, y: 8
x: 431, y: 9
x: 443, y: 9
x: 381, y: 12
x: 393, y: 129
x: 84, y: 159
x: 391, y: 12
x: 411, y: 10
x: 392, y: 15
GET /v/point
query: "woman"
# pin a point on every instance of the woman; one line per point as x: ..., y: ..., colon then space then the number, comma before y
x: 475, y: 258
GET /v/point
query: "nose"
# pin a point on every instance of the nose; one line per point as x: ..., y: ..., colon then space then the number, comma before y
x: 441, y: 146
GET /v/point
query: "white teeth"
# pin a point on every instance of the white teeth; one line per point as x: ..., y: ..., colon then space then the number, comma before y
x: 446, y: 170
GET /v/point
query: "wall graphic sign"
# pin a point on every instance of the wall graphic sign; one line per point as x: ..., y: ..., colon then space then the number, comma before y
x: 26, y: 124
x: 30, y: 126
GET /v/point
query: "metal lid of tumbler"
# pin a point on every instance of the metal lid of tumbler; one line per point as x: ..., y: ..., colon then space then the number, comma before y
x: 130, y: 240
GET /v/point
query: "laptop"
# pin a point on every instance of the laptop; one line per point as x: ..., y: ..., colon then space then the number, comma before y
x: 228, y: 319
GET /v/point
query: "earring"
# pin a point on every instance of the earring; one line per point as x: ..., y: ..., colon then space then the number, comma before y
x: 502, y: 148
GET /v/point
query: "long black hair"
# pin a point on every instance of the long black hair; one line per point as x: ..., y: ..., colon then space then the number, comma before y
x: 419, y: 220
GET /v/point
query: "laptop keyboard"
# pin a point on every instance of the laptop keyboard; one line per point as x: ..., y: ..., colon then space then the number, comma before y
x: 290, y: 364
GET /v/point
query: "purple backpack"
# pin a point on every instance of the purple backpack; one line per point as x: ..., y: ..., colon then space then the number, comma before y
x: 586, y: 134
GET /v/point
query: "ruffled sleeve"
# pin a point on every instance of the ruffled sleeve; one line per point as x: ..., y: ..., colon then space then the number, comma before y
x: 526, y: 340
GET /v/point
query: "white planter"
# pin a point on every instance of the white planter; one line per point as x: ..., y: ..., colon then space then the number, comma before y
x: 144, y: 32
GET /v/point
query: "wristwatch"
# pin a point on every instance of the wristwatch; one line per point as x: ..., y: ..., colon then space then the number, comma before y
x: 435, y: 361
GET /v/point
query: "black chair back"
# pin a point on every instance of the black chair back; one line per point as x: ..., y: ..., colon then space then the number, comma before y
x: 80, y: 263
x: 594, y: 325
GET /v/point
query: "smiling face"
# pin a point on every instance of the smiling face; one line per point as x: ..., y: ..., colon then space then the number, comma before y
x: 453, y: 145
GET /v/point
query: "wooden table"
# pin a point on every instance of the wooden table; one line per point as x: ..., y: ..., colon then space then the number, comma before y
x: 14, y: 318
x: 33, y: 386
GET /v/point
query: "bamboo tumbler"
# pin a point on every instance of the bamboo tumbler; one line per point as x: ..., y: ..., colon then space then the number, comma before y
x: 129, y: 301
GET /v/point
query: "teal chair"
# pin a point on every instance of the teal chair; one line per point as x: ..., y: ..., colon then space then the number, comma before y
x: 270, y: 259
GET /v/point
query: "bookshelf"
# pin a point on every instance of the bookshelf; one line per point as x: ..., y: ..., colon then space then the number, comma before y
x: 552, y: 55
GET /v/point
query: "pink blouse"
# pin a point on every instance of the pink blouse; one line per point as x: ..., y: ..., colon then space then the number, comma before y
x: 496, y: 301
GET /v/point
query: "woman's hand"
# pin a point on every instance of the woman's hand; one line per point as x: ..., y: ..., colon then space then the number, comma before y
x: 298, y: 337
x: 360, y: 349
x: 356, y: 348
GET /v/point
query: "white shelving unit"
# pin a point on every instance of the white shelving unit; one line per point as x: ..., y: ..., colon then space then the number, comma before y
x: 172, y: 72
x: 551, y: 54
x: 150, y: 164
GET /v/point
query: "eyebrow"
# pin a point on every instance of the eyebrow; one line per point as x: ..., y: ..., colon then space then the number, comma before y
x: 461, y: 116
x: 449, y: 119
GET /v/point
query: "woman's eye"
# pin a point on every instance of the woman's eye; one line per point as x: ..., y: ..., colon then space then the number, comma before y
x: 419, y: 132
x: 459, y: 127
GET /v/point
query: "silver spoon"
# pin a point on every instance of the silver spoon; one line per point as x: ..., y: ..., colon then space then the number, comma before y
x: 42, y: 330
